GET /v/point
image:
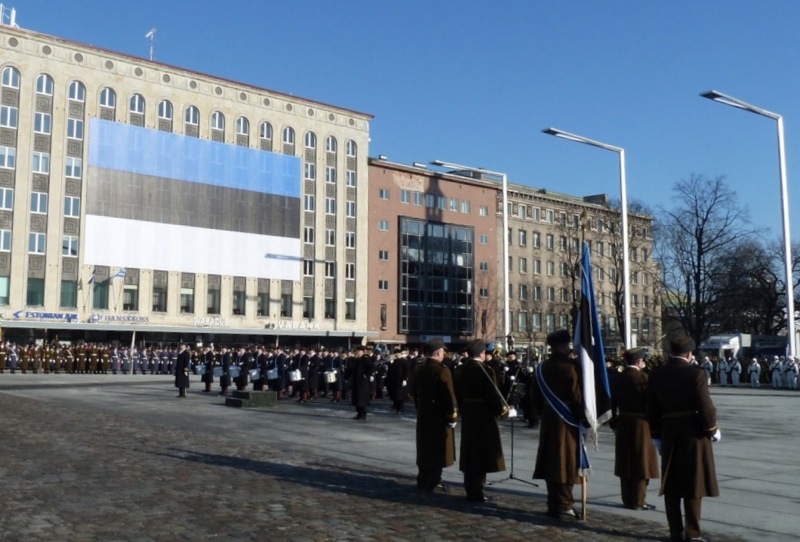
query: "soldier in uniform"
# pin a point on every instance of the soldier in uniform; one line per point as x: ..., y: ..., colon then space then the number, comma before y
x: 208, y: 361
x: 635, y: 457
x: 225, y: 377
x: 359, y: 372
x: 790, y: 373
x: 25, y: 354
x: 724, y: 371
x: 754, y: 372
x: 480, y: 404
x: 396, y: 380
x: 683, y: 424
x: 13, y: 357
x: 3, y: 354
x: 94, y: 357
x: 82, y: 359
x: 436, y: 417
x: 182, y: 370
x: 708, y: 367
x: 776, y: 371
x: 735, y: 369
x: 557, y: 461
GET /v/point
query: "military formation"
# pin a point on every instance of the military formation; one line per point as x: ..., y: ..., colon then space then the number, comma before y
x: 779, y: 372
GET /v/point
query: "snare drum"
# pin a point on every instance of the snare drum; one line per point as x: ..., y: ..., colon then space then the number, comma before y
x: 295, y: 376
x: 330, y: 377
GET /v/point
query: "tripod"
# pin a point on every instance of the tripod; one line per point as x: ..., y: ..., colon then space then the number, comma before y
x: 516, y: 392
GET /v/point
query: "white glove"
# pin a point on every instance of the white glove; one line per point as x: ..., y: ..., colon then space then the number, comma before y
x: 405, y: 382
x: 716, y: 437
x: 372, y: 379
x: 452, y: 425
x: 512, y: 412
x: 657, y: 444
x: 512, y: 378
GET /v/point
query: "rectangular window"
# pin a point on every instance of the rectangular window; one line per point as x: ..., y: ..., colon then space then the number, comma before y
x: 73, y: 167
x: 308, y: 268
x: 35, y: 293
x: 523, y: 292
x: 551, y: 241
x: 483, y: 210
x: 383, y: 225
x: 330, y: 308
x: 383, y: 194
x: 262, y: 304
x: 350, y: 271
x: 430, y: 201
x: 330, y: 206
x: 69, y: 294
x: 213, y: 300
x: 405, y: 196
x: 8, y: 157
x: 310, y: 170
x: 537, y: 267
x: 454, y: 204
x: 41, y: 163
x: 239, y: 298
x: 484, y: 293
x: 383, y: 255
x: 522, y: 321
x: 308, y: 306
x: 37, y: 243
x: 308, y: 235
x: 69, y: 246
x: 330, y: 174
x: 100, y: 294
x: 536, y: 294
x: 42, y: 123
x: 75, y: 129
x: 5, y: 240
x: 418, y: 199
x: 130, y: 297
x: 536, y: 322
x: 483, y: 266
x: 39, y: 202
x: 383, y: 285
x: 523, y: 238
x: 308, y: 203
x: 286, y: 305
x: 350, y: 239
x: 523, y: 265
x: 187, y: 300
x: 8, y: 116
x: 72, y: 207
x: 7, y: 198
x: 330, y: 270
x: 551, y: 269
x: 549, y: 215
x: 330, y: 238
x: 351, y: 178
x: 159, y: 298
x: 349, y: 309
x: 351, y: 209
x: 483, y: 239
x: 536, y: 240
x: 466, y: 206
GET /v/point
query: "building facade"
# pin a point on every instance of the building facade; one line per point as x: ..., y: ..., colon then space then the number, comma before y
x: 546, y: 231
x: 433, y: 249
x: 141, y: 197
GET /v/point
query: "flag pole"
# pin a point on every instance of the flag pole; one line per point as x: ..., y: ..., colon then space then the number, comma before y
x: 584, y: 481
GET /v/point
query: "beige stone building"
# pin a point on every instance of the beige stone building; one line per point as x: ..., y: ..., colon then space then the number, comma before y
x: 137, y: 196
x: 546, y: 230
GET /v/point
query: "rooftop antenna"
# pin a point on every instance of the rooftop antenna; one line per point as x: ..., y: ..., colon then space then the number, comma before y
x: 151, y: 36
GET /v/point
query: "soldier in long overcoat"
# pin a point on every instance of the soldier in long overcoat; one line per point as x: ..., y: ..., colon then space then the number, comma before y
x: 182, y: 369
x: 359, y: 372
x: 480, y: 405
x: 436, y: 416
x: 557, y: 460
x: 683, y: 419
x: 635, y: 457
x: 396, y: 381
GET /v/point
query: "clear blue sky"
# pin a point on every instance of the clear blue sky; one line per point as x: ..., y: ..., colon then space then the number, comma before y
x: 475, y: 81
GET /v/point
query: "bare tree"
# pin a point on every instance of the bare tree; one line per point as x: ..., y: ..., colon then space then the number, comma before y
x: 706, y: 224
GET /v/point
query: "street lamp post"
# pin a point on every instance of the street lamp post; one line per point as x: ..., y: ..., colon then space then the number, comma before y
x: 626, y: 289
x: 504, y: 180
x: 787, y: 242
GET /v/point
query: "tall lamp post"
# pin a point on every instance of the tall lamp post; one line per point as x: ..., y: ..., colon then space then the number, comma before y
x: 787, y: 242
x: 626, y: 276
x: 504, y: 180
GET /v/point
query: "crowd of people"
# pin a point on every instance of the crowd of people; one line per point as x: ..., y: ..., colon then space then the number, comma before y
x: 779, y: 371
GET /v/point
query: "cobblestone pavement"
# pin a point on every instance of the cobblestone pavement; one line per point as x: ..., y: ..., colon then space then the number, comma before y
x: 76, y: 472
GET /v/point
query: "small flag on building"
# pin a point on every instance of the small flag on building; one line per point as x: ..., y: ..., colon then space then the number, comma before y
x: 119, y: 274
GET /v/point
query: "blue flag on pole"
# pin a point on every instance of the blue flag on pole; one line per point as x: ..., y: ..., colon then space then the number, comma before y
x: 119, y: 274
x: 588, y: 347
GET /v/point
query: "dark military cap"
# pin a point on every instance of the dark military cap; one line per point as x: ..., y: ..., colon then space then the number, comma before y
x: 558, y: 337
x: 681, y: 345
x: 633, y: 354
x: 474, y: 348
x: 433, y: 345
x: 358, y: 347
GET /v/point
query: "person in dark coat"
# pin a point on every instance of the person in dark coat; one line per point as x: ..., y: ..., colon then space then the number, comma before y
x: 396, y: 381
x: 360, y: 370
x: 436, y: 417
x: 182, y: 369
x: 635, y: 457
x: 557, y: 460
x: 225, y: 376
x: 480, y: 403
x: 683, y: 423
x: 208, y: 362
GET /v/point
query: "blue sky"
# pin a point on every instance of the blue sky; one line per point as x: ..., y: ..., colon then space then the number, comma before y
x: 475, y: 82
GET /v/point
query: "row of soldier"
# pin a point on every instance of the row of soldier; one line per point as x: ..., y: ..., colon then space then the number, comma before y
x: 781, y: 371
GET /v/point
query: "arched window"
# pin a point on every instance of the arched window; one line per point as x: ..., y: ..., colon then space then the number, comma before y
x: 165, y: 110
x: 77, y: 92
x: 288, y: 135
x: 242, y: 126
x: 108, y: 98
x: 137, y: 104
x: 192, y: 116
x: 311, y: 140
x: 266, y: 130
x: 217, y: 121
x: 10, y: 77
x: 352, y: 149
x: 331, y: 145
x: 44, y: 85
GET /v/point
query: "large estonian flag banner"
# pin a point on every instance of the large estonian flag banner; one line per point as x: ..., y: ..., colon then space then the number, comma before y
x: 588, y: 347
x: 158, y: 200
